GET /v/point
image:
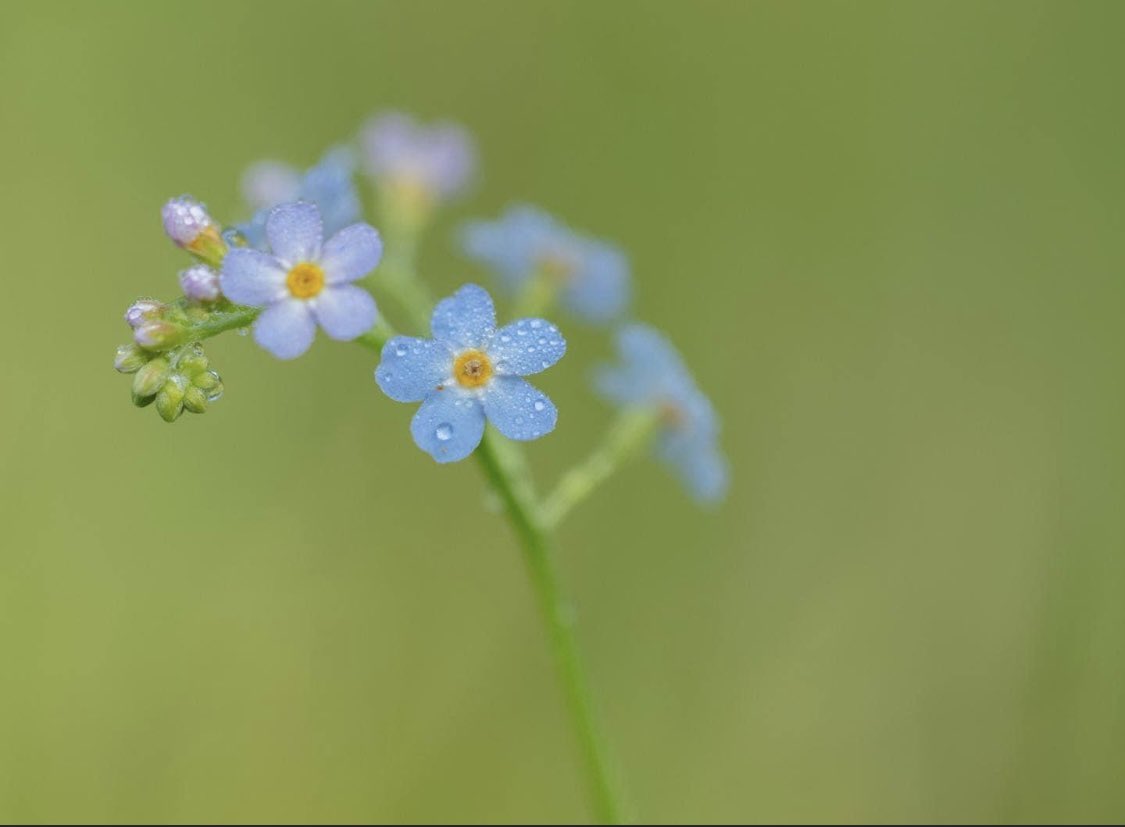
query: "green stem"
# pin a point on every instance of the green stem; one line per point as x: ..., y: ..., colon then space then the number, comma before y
x: 630, y: 434
x: 559, y: 619
x: 220, y: 321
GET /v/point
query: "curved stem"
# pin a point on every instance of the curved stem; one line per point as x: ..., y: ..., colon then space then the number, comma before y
x: 559, y: 620
x: 631, y: 433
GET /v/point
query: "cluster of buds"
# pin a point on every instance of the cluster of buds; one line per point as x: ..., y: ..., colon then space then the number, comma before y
x: 176, y: 380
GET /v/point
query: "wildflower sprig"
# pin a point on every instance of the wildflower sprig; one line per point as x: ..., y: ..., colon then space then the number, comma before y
x: 305, y: 260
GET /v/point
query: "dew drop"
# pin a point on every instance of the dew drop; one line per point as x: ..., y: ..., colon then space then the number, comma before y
x: 539, y: 405
x: 400, y: 351
x: 536, y: 324
x: 505, y: 338
x: 444, y: 432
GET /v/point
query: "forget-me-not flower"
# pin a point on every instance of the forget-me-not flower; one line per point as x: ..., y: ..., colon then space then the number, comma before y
x: 470, y: 372
x: 427, y: 164
x: 651, y: 374
x: 304, y: 281
x: 591, y: 276
x: 330, y: 185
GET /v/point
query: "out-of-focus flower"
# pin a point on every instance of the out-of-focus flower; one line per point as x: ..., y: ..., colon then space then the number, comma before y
x: 303, y: 281
x: 526, y: 247
x: 651, y: 374
x: 416, y: 167
x: 470, y: 372
x: 330, y: 185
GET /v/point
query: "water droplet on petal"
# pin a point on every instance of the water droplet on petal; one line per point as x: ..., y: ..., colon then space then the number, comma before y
x: 444, y: 432
x: 400, y: 351
x: 539, y: 405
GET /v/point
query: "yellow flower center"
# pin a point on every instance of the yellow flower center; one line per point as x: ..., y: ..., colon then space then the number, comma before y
x: 556, y: 267
x: 305, y: 280
x: 472, y: 369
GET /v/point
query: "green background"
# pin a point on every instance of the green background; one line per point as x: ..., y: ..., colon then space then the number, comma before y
x: 886, y: 236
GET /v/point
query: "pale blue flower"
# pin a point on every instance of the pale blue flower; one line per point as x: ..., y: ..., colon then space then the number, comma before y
x: 470, y: 372
x: 329, y: 185
x: 304, y: 281
x: 652, y: 375
x: 435, y: 162
x: 591, y: 276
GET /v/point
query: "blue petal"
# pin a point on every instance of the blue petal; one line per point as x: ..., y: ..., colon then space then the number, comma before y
x: 649, y: 370
x: 412, y: 369
x: 351, y: 254
x: 699, y: 465
x: 519, y: 410
x: 527, y: 346
x: 345, y: 311
x: 295, y: 232
x: 329, y: 185
x: 448, y: 426
x: 599, y: 289
x: 266, y: 184
x: 252, y: 277
x: 286, y: 329
x: 465, y: 319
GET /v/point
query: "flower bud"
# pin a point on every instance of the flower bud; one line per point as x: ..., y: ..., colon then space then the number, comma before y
x: 200, y: 283
x: 143, y: 310
x: 142, y: 401
x: 195, y: 400
x: 151, y: 377
x: 207, y: 381
x: 158, y: 335
x: 191, y: 227
x: 130, y: 359
x: 170, y: 400
x: 194, y: 361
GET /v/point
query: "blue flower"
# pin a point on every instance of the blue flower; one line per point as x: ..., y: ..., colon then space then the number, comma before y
x: 591, y: 276
x: 432, y: 163
x: 329, y: 185
x: 652, y: 375
x: 304, y: 282
x: 470, y: 372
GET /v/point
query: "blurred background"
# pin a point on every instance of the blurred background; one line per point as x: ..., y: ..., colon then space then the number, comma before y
x: 886, y: 236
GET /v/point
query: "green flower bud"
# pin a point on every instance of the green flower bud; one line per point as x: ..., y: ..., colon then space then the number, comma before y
x: 193, y: 362
x: 207, y: 381
x: 195, y: 400
x: 142, y: 401
x: 130, y: 359
x: 151, y: 377
x: 170, y: 400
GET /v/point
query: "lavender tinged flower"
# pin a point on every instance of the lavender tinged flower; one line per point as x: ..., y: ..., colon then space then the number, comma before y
x: 470, y: 372
x: 191, y: 227
x: 652, y: 375
x: 418, y: 166
x: 526, y: 244
x: 200, y: 283
x: 304, y: 281
x: 329, y: 185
